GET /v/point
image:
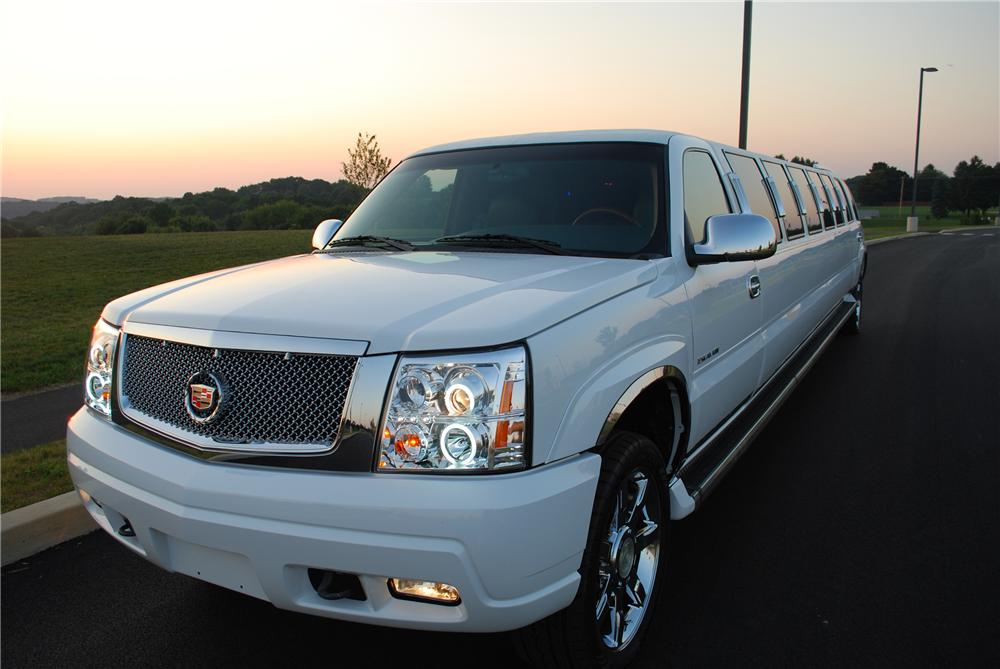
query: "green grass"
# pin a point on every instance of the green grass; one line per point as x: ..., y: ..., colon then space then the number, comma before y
x: 890, y: 222
x: 54, y: 288
x: 32, y: 475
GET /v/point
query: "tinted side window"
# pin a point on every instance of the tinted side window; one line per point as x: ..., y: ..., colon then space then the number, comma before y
x: 812, y: 213
x: 835, y: 202
x: 850, y: 200
x: 704, y: 195
x: 824, y: 203
x: 753, y: 185
x: 793, y: 222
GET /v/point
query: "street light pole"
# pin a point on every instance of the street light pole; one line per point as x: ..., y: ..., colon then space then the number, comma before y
x: 912, y: 220
x: 745, y: 82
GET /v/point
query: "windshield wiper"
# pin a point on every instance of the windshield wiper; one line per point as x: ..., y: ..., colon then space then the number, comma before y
x: 503, y: 241
x: 369, y: 240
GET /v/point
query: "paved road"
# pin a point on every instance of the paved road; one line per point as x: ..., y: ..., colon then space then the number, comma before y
x: 863, y: 528
x: 39, y: 418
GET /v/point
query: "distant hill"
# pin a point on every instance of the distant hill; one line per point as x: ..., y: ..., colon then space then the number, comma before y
x: 289, y: 202
x: 12, y: 207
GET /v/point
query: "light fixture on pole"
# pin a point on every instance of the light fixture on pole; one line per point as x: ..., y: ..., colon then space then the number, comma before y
x: 911, y: 222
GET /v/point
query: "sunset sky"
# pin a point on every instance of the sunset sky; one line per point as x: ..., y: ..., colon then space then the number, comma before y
x: 140, y: 98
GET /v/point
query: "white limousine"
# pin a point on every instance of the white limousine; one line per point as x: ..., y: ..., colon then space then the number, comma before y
x: 477, y: 404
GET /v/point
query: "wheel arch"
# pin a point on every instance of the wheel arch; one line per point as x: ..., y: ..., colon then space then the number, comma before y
x: 637, y: 410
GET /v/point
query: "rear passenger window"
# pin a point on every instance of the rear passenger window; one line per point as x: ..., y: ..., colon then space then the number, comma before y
x: 824, y: 201
x: 853, y: 211
x: 793, y: 222
x: 812, y: 213
x: 753, y: 185
x: 835, y: 202
x: 704, y: 195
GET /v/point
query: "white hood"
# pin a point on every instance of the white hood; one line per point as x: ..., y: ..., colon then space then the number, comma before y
x: 396, y: 302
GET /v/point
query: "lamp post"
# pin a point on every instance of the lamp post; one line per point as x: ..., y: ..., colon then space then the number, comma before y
x: 745, y: 79
x: 911, y: 222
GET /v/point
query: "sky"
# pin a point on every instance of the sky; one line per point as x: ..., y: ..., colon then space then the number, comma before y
x: 157, y: 99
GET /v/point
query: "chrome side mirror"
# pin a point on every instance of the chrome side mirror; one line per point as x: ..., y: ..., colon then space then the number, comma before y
x: 734, y: 237
x: 325, y: 231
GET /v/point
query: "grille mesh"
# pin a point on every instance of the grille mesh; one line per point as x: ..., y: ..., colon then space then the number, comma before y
x: 298, y: 400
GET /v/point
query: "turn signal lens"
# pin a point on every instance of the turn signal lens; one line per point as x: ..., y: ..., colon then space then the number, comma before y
x: 428, y: 591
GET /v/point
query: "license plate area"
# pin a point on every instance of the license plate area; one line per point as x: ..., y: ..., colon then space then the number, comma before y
x: 229, y: 570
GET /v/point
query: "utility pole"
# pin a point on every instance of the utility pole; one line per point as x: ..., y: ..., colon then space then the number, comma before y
x: 911, y: 222
x: 899, y: 213
x: 745, y: 84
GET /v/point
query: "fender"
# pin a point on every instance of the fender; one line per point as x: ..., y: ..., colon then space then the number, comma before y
x: 668, y: 372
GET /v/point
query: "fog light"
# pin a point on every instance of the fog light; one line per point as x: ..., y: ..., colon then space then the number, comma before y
x: 424, y: 591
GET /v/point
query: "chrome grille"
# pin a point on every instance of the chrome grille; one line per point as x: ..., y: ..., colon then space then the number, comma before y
x: 274, y: 399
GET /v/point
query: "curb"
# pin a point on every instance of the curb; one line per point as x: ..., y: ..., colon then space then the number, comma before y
x: 905, y: 235
x: 33, y: 528
x: 963, y: 228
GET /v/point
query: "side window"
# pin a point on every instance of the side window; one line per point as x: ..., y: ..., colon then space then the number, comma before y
x: 840, y: 213
x: 850, y: 200
x: 704, y: 195
x: 812, y: 213
x: 824, y: 203
x: 753, y: 184
x: 793, y: 222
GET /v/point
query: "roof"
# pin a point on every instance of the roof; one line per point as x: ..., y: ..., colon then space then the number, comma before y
x: 569, y: 137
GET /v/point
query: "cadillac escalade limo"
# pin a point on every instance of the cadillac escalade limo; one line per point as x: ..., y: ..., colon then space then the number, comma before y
x: 480, y: 401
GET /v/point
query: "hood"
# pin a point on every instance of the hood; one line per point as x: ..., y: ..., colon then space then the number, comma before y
x: 395, y: 302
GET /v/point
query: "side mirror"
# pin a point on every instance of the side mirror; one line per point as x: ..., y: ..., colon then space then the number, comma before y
x: 325, y: 231
x: 733, y: 237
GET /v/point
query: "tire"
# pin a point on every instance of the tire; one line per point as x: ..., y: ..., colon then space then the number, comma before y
x: 623, y: 560
x: 853, y: 324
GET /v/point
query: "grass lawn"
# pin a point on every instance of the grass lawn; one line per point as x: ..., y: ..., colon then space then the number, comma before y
x: 55, y: 287
x: 33, y: 474
x: 890, y: 222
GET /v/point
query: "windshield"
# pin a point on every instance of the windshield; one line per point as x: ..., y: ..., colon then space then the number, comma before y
x: 589, y: 199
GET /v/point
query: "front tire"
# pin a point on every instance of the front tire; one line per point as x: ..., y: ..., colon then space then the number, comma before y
x: 621, y: 570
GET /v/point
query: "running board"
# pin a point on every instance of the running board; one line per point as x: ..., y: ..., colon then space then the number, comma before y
x: 720, y: 450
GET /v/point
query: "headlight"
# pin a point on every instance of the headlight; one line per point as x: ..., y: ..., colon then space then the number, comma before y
x: 457, y: 413
x: 100, y: 358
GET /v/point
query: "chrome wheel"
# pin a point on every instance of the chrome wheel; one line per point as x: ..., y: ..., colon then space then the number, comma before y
x: 629, y: 558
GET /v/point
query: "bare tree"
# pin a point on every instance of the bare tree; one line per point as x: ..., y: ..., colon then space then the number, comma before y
x: 366, y: 164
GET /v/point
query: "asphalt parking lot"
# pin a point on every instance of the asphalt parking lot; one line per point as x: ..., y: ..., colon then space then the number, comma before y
x: 861, y: 530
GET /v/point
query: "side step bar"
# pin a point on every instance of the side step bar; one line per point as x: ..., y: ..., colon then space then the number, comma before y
x: 718, y: 452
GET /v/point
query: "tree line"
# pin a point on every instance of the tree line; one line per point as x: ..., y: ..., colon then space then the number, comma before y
x: 287, y: 203
x: 290, y: 202
x: 973, y: 188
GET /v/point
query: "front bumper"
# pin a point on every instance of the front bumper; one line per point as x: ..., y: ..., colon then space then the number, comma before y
x: 510, y: 543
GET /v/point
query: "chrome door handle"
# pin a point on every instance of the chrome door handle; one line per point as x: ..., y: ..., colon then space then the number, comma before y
x: 753, y: 286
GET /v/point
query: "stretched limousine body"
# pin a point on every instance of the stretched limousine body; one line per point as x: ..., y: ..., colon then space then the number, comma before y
x: 479, y: 402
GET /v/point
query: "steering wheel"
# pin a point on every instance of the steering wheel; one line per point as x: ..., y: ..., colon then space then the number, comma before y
x: 621, y: 215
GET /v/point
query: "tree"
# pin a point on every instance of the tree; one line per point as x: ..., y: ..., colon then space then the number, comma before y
x: 975, y: 187
x: 365, y: 164
x: 880, y: 185
x: 161, y: 213
x: 122, y: 223
x: 940, y: 197
x: 925, y: 184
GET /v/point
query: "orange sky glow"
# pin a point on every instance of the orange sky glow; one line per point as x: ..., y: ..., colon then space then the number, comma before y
x: 157, y: 99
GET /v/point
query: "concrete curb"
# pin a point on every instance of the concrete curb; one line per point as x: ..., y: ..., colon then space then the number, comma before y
x: 966, y: 227
x: 33, y: 528
x: 905, y: 235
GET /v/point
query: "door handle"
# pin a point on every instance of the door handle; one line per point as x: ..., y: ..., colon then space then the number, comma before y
x: 753, y: 286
